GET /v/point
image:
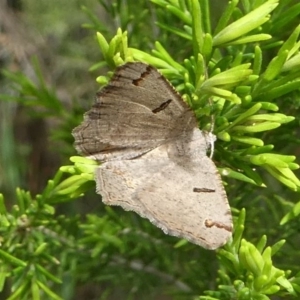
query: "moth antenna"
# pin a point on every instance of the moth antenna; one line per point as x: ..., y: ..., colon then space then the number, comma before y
x: 211, y: 137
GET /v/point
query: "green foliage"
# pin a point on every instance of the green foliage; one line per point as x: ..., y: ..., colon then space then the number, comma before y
x: 239, y: 73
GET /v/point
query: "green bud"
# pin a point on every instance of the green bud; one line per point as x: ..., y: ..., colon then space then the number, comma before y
x: 261, y: 243
x: 249, y: 112
x: 224, y: 136
x: 251, y: 258
x: 269, y: 106
x: 264, y: 126
x: 40, y: 249
x: 83, y: 160
x: 236, y: 175
x: 251, y: 39
x: 276, y: 117
x: 272, y: 290
x: 245, y: 24
x: 268, y: 159
x: 103, y: 44
x: 248, y: 140
x: 275, y: 66
x: 260, y: 282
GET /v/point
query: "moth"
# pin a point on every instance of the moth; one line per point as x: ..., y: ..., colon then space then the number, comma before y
x: 153, y: 157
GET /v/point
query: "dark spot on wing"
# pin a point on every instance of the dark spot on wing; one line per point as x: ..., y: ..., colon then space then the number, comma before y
x: 210, y: 223
x: 94, y: 115
x: 203, y: 190
x: 138, y: 81
x: 162, y: 106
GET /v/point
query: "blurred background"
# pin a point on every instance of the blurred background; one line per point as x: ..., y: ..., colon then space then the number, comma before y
x: 52, y: 45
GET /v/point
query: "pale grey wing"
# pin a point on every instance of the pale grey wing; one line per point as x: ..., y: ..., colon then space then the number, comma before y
x: 188, y: 200
x: 137, y: 111
x: 185, y: 200
x: 117, y: 181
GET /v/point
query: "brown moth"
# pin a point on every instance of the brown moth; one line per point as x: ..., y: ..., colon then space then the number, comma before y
x: 153, y: 157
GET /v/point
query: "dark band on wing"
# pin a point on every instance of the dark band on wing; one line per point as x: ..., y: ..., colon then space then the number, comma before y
x: 210, y: 223
x: 162, y: 106
x: 203, y: 190
x: 144, y: 74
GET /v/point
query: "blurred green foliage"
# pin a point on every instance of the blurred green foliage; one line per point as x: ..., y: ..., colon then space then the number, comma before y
x: 237, y: 65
